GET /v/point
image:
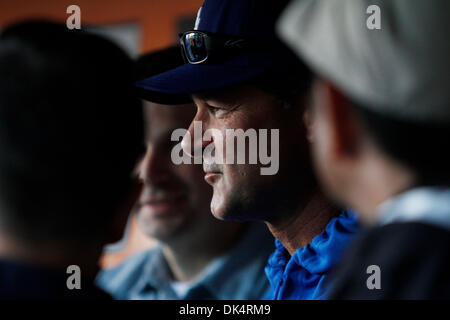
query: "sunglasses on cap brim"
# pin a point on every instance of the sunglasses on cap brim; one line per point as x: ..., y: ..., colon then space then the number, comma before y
x: 202, y: 47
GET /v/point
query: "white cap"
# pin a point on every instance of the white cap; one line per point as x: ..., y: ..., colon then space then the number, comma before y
x: 401, y: 70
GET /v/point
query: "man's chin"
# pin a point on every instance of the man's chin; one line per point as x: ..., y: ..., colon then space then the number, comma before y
x: 219, y: 208
x: 161, y: 229
x: 164, y: 233
x: 247, y: 204
x: 217, y: 211
x: 228, y: 210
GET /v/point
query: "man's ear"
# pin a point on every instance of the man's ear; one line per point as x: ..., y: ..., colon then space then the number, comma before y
x: 308, y: 121
x: 346, y: 133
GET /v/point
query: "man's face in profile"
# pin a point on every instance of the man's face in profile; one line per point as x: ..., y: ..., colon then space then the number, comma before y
x: 240, y: 191
x: 175, y: 198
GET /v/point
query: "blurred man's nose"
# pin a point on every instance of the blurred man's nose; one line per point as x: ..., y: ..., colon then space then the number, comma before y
x: 154, y: 167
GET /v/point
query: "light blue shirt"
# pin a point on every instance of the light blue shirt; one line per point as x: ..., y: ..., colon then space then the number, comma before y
x: 238, y: 274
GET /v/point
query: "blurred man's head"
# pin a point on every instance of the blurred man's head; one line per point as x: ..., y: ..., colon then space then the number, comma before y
x: 355, y: 148
x: 175, y: 201
x: 381, y: 116
x: 175, y: 198
x: 70, y: 133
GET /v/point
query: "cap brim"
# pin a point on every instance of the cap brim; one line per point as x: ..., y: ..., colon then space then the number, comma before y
x: 190, y: 79
x: 162, y: 97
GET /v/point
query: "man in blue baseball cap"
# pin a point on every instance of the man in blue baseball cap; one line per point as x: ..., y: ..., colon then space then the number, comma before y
x: 197, y: 256
x: 245, y: 83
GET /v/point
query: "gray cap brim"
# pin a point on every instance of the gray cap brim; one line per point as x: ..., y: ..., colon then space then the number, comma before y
x: 401, y: 70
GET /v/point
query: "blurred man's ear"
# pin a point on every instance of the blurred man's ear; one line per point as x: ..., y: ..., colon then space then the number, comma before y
x: 345, y: 132
x: 308, y: 121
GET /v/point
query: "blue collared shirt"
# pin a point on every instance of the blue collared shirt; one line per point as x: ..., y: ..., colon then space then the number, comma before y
x: 238, y: 274
x: 304, y: 275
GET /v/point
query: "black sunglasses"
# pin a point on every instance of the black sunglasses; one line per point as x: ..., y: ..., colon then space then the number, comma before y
x: 199, y: 46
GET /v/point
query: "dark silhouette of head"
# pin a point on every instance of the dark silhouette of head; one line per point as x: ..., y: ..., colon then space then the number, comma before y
x: 70, y: 133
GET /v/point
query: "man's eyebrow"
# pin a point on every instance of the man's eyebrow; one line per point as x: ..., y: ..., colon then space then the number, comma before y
x: 215, y: 101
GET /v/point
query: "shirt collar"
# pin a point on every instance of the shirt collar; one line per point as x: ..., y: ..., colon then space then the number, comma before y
x: 227, y: 272
x: 425, y: 204
x: 222, y: 274
x: 319, y: 256
x: 155, y: 274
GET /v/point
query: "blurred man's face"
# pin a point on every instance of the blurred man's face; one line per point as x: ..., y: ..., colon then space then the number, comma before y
x: 349, y: 163
x: 175, y: 198
x: 334, y: 166
x: 241, y: 192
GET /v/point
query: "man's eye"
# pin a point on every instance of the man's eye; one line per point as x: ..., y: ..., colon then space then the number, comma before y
x: 219, y: 111
x: 213, y: 109
x: 216, y: 110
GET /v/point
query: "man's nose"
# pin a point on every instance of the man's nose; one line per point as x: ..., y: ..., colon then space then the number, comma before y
x: 193, y: 143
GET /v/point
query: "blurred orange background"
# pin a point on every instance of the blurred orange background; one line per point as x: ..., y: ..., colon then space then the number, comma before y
x: 157, y: 19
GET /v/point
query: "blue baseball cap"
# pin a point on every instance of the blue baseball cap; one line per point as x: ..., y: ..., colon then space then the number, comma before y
x: 252, y: 19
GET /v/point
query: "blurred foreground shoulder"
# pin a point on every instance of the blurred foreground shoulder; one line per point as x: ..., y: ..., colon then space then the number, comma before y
x: 412, y: 261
